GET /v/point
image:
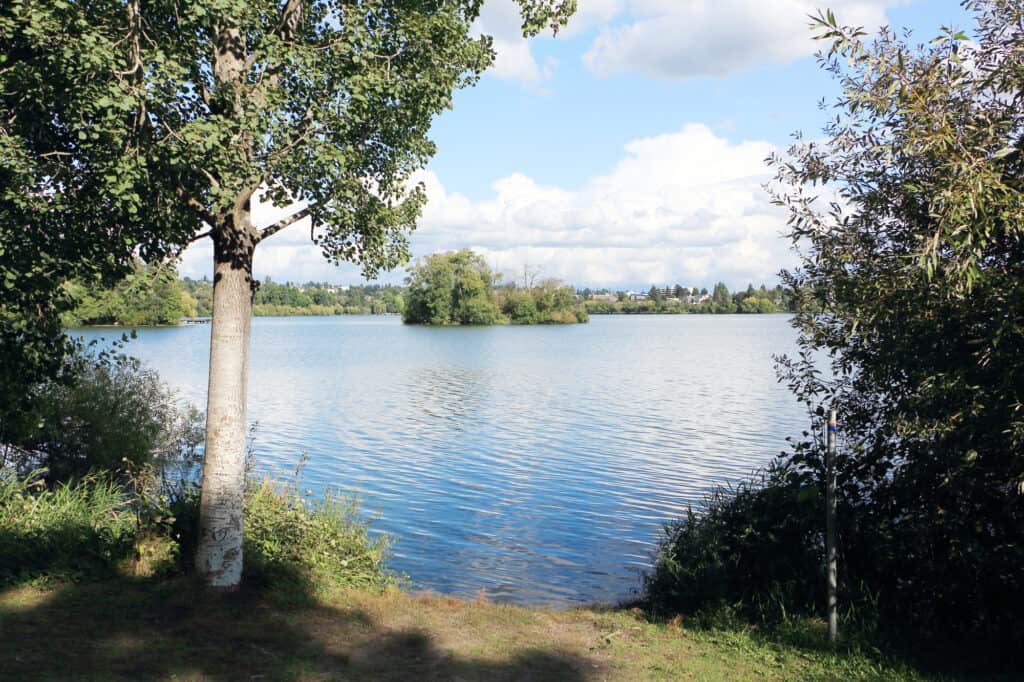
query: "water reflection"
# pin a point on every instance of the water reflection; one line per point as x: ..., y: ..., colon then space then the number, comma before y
x: 536, y: 463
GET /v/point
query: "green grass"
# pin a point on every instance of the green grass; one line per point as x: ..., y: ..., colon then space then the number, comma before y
x: 129, y: 629
x: 319, y: 605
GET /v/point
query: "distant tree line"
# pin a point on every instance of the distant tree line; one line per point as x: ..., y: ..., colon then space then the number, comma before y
x: 680, y: 300
x: 151, y: 296
x: 147, y: 296
x: 443, y: 289
x: 459, y: 288
x: 273, y: 299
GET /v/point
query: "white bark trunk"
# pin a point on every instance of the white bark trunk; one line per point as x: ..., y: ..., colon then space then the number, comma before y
x: 219, y: 554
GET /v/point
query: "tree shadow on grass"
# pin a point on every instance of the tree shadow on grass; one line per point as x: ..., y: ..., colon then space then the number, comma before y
x: 125, y: 629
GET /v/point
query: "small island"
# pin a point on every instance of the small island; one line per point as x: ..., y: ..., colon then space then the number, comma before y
x: 459, y: 288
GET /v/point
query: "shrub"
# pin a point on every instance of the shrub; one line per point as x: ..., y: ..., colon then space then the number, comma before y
x: 68, y: 531
x: 93, y: 528
x: 755, y: 549
x: 105, y: 414
x: 291, y: 541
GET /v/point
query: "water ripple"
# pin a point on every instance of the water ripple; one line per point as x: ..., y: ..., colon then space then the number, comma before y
x: 538, y: 464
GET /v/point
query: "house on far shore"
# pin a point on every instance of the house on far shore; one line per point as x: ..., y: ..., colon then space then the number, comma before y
x: 610, y: 298
x: 637, y: 296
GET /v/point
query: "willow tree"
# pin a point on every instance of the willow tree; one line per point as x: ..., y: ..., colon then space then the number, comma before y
x: 182, y: 111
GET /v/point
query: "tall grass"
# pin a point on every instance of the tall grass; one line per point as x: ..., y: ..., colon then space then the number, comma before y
x: 94, y: 528
x: 319, y: 543
x: 64, y: 532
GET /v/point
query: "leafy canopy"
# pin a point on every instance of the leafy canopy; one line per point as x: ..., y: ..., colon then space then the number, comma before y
x: 127, y: 124
x: 913, y: 280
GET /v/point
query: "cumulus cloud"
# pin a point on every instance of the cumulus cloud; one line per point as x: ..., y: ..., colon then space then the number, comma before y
x: 682, y: 207
x: 682, y: 39
x: 515, y: 59
x: 685, y: 207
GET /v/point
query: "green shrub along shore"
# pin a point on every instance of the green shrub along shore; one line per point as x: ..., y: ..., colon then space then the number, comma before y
x: 154, y: 296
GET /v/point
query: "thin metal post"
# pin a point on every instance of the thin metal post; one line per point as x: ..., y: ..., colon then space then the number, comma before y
x: 830, y: 525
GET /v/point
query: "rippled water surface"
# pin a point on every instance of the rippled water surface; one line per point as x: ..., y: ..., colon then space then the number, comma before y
x: 537, y: 463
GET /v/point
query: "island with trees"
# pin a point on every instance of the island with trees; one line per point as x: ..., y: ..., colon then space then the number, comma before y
x: 459, y: 288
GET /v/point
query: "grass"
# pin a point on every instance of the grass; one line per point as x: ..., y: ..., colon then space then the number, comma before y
x: 130, y: 629
x: 93, y: 586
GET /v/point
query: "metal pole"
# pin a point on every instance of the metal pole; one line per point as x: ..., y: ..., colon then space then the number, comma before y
x: 830, y: 524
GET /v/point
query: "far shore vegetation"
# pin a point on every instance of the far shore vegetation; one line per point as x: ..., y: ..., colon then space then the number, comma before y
x: 155, y: 296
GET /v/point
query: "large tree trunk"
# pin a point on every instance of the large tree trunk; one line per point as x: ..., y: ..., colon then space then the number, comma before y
x: 219, y: 555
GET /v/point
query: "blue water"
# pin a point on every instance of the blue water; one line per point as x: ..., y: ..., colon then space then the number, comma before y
x: 536, y: 463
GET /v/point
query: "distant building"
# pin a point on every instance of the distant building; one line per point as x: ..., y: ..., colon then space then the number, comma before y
x: 637, y: 296
x: 611, y: 298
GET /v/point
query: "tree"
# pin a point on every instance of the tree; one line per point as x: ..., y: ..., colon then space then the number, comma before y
x: 721, y: 295
x: 451, y: 288
x: 168, y: 116
x: 911, y: 283
x: 655, y: 295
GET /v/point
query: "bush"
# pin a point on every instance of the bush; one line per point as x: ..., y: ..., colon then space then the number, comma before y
x: 291, y: 541
x: 106, y: 413
x: 64, y: 532
x: 94, y: 528
x: 755, y: 549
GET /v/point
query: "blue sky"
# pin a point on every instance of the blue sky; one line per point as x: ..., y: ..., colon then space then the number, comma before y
x: 628, y: 151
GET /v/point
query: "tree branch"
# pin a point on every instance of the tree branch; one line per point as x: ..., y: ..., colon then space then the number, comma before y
x: 203, y: 214
x: 283, y: 223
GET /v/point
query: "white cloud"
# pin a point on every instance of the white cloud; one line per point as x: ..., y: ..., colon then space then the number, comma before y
x: 682, y: 207
x: 682, y: 39
x: 685, y: 207
x: 515, y: 59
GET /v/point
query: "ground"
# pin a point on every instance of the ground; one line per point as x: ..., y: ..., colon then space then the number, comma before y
x: 131, y: 630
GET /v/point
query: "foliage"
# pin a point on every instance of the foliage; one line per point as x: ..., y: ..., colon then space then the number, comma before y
x: 917, y: 269
x: 97, y: 527
x: 106, y: 414
x: 754, y: 550
x: 458, y: 287
x: 680, y: 300
x: 152, y: 296
x: 911, y: 289
x: 72, y: 202
x: 321, y: 101
x: 67, y: 531
x: 147, y: 296
x: 323, y: 543
x: 314, y: 298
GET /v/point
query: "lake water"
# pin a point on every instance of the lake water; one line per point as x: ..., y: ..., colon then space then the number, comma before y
x: 536, y: 463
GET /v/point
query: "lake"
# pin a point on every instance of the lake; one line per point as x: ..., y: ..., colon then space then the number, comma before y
x: 535, y: 463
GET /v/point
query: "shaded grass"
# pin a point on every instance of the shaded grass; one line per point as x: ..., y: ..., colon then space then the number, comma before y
x: 127, y: 629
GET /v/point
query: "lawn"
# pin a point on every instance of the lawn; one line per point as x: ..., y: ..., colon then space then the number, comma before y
x: 171, y: 630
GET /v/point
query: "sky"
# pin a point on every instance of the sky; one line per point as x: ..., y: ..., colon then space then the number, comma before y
x: 629, y: 150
